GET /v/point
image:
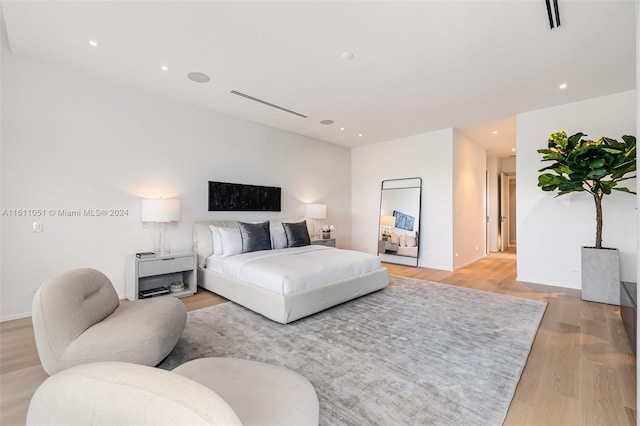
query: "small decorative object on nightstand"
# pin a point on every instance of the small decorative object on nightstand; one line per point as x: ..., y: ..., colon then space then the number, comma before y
x: 326, y: 231
x: 173, y: 274
x: 330, y: 242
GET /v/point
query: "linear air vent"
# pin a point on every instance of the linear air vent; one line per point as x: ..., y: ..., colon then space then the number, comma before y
x: 268, y: 104
x: 553, y: 13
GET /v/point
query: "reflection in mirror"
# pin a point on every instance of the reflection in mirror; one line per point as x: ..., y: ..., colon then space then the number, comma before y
x: 399, y: 233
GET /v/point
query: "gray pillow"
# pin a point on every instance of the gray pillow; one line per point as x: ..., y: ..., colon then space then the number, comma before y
x: 297, y: 234
x: 255, y: 236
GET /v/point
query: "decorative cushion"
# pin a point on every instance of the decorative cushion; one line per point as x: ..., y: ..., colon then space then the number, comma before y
x: 401, y: 240
x: 411, y: 241
x: 394, y: 238
x: 255, y: 236
x: 278, y: 238
x: 217, y: 239
x: 297, y: 234
x: 231, y: 241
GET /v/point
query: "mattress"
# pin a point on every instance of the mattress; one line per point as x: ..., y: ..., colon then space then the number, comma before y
x: 290, y: 270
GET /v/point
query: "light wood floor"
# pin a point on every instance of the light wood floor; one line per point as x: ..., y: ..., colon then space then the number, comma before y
x: 581, y: 370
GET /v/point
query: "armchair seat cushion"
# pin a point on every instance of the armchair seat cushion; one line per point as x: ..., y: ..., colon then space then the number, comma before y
x: 141, y: 332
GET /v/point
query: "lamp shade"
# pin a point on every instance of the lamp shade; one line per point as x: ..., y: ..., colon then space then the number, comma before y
x: 316, y: 211
x: 160, y: 210
x: 387, y: 220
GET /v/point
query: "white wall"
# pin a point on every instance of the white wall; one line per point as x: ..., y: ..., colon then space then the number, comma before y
x: 429, y: 156
x: 552, y: 230
x: 469, y: 201
x: 76, y: 142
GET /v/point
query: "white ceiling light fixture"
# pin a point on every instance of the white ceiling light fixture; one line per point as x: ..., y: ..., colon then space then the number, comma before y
x: 164, y: 68
x: 342, y: 129
x: 198, y: 77
x: 495, y: 132
x: 513, y: 149
x: 360, y: 135
x: 346, y: 56
x: 326, y: 121
x: 93, y: 43
x: 563, y: 86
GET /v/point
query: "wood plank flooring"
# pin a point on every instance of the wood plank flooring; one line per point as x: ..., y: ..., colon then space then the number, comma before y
x: 581, y: 370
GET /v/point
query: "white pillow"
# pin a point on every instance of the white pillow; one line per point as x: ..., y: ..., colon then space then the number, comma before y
x: 394, y: 238
x: 217, y: 239
x: 231, y: 241
x: 411, y: 241
x: 401, y: 240
x: 278, y: 238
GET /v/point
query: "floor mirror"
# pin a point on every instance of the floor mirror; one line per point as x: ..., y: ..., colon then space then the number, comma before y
x: 399, y: 226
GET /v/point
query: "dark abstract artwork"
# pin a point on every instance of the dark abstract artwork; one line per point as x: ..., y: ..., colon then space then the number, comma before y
x: 225, y: 196
x: 404, y: 221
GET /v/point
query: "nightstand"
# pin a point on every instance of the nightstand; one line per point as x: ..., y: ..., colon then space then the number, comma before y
x: 387, y: 247
x: 158, y: 272
x: 331, y: 242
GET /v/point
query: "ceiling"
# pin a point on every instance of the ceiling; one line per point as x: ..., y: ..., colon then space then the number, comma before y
x: 417, y: 66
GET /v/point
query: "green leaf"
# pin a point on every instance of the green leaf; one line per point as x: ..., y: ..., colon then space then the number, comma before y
x: 629, y: 140
x: 623, y: 189
x: 558, y: 139
x: 597, y: 174
x: 574, y: 140
x: 547, y: 179
x: 597, y: 163
x: 623, y: 169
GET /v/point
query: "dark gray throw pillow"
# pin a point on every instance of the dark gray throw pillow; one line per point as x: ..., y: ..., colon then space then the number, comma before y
x: 255, y: 236
x: 297, y: 234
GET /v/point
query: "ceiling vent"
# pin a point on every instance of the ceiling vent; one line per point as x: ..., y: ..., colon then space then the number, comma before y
x: 268, y: 104
x: 553, y: 14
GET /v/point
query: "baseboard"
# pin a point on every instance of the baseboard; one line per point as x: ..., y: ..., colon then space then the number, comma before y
x: 471, y: 262
x: 15, y: 316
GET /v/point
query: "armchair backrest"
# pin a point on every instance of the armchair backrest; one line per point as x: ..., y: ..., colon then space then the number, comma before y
x: 66, y: 306
x: 117, y: 393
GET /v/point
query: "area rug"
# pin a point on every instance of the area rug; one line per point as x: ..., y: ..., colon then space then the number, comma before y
x: 416, y: 352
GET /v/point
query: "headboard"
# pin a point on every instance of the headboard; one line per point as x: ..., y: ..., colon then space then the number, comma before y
x: 203, y: 239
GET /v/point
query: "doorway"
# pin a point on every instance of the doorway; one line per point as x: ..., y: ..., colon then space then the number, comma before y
x: 507, y: 236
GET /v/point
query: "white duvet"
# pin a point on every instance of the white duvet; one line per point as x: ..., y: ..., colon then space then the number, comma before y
x: 289, y: 270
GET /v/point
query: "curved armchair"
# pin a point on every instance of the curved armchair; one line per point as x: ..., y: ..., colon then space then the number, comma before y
x: 78, y: 319
x: 207, y: 391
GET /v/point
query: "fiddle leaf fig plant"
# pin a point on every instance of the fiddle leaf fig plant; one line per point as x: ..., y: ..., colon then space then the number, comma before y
x: 584, y: 165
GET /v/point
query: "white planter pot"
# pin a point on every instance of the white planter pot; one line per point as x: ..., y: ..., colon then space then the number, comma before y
x: 601, y: 275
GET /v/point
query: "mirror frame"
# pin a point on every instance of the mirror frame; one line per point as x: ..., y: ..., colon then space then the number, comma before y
x: 389, y: 184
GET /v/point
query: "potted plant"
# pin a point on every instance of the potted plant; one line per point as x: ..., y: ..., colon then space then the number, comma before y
x: 596, y: 167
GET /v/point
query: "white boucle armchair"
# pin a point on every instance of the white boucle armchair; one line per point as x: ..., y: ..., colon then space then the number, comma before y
x: 78, y: 319
x: 206, y: 391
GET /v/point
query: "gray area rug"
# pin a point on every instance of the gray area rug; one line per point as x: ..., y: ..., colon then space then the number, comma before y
x: 414, y: 353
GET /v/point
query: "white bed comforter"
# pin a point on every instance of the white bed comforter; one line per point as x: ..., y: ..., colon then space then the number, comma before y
x: 289, y: 270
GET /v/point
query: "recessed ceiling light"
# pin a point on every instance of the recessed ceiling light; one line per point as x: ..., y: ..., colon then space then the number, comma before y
x: 342, y: 129
x: 164, y: 68
x: 326, y: 122
x: 346, y: 56
x: 513, y: 149
x: 360, y: 135
x: 495, y: 132
x: 198, y: 77
x: 563, y: 86
x: 93, y: 43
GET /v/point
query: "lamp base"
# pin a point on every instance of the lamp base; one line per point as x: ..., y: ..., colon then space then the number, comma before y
x: 161, y: 242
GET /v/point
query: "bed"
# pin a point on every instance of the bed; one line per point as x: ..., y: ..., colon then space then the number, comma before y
x: 316, y: 278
